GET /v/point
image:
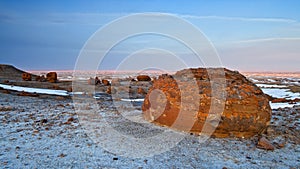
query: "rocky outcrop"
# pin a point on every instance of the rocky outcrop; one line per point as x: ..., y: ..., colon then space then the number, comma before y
x: 214, y: 99
x: 143, y: 78
x: 52, y: 77
x: 265, y: 144
x: 9, y: 72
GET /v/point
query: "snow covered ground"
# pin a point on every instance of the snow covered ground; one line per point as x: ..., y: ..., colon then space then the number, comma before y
x: 35, y: 90
x: 47, y: 133
x: 279, y: 91
x: 270, y: 86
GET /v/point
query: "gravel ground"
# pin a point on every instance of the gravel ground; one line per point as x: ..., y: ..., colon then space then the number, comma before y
x: 45, y: 132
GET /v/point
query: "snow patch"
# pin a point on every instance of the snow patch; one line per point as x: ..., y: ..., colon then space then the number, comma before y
x: 281, y: 93
x: 270, y: 86
x: 282, y: 105
x: 35, y: 90
x: 132, y: 100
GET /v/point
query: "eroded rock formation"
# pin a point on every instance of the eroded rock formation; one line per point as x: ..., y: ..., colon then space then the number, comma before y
x: 52, y: 77
x: 143, y: 78
x: 213, y: 100
x: 26, y: 76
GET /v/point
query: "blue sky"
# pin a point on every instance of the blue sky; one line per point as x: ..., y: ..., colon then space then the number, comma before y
x: 257, y: 35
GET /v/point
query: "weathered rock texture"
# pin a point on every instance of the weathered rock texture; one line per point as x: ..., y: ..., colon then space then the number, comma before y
x: 143, y: 78
x: 26, y: 76
x: 176, y: 102
x: 40, y: 78
x: 52, y: 77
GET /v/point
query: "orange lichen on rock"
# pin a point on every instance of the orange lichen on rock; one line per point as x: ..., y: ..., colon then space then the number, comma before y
x: 190, y: 98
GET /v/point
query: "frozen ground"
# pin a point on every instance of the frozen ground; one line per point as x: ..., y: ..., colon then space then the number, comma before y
x: 278, y: 87
x: 35, y: 90
x: 46, y: 133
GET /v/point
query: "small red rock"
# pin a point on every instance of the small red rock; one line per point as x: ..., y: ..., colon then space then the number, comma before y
x: 141, y: 91
x: 143, y: 78
x: 62, y: 155
x: 263, y: 143
x: 70, y: 119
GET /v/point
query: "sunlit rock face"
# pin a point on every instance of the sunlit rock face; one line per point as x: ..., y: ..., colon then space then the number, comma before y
x: 52, y: 77
x: 213, y: 101
x: 26, y: 77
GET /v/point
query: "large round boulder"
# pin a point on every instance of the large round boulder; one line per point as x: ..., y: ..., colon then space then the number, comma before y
x: 213, y: 101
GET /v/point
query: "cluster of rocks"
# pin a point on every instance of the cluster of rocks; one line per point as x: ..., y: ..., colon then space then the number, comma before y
x: 176, y: 102
x: 105, y: 82
x: 50, y: 129
x: 50, y: 77
x: 130, y: 87
x: 123, y: 87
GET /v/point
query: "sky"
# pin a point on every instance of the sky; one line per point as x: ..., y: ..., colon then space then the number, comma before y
x: 257, y: 35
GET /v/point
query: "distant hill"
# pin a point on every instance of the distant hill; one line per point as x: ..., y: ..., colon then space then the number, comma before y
x: 9, y: 72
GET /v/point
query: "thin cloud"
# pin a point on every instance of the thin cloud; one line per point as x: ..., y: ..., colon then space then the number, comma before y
x: 240, y: 19
x: 82, y: 18
x: 267, y: 40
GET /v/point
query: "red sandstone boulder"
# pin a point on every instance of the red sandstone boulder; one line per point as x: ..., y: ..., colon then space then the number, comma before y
x: 52, y: 77
x: 93, y: 81
x: 97, y: 81
x: 26, y: 76
x: 263, y: 143
x: 141, y: 91
x: 189, y: 99
x: 40, y: 78
x: 108, y: 90
x: 105, y: 82
x: 143, y: 78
